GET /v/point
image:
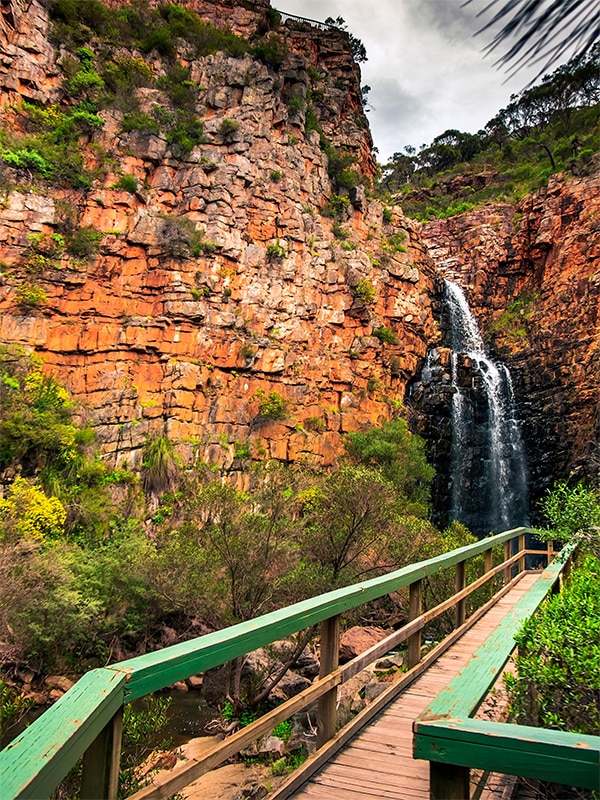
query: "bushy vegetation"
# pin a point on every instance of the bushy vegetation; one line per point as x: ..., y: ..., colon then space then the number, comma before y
x: 94, y: 562
x: 557, y: 680
x: 544, y: 129
x: 558, y: 666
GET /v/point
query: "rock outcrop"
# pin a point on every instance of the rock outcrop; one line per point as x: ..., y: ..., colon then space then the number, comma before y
x: 532, y: 274
x: 219, y: 283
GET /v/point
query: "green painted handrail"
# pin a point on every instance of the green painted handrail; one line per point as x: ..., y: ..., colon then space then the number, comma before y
x: 154, y: 671
x: 445, y: 733
x: 34, y: 764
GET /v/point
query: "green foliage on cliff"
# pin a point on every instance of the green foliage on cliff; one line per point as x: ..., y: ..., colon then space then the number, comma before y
x: 545, y: 129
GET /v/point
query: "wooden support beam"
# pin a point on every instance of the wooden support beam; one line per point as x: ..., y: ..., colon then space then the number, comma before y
x: 448, y: 782
x: 521, y: 540
x: 415, y: 607
x: 102, y: 761
x: 461, y: 582
x: 507, y: 571
x: 330, y: 649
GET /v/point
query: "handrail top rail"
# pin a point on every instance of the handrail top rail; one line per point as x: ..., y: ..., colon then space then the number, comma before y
x: 220, y: 646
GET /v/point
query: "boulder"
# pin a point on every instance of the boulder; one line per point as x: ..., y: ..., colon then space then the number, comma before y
x: 358, y: 639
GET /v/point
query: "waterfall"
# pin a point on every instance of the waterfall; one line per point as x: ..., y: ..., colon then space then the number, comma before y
x: 488, y: 478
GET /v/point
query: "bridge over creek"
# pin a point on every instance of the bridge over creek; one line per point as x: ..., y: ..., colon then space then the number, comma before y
x: 421, y: 738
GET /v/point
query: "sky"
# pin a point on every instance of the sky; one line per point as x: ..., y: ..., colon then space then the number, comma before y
x: 425, y: 66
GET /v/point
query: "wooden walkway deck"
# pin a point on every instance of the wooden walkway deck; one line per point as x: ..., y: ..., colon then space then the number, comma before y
x: 378, y: 762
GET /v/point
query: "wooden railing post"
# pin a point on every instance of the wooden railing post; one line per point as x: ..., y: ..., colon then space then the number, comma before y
x: 448, y: 782
x: 330, y: 649
x: 461, y: 582
x: 521, y: 561
x: 415, y: 608
x: 507, y: 549
x: 101, y: 762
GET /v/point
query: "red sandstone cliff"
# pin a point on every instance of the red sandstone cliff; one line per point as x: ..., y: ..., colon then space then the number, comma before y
x: 532, y: 274
x: 153, y: 335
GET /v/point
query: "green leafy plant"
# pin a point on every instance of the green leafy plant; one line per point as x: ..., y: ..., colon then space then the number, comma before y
x: 276, y: 175
x: 336, y: 206
x: 385, y: 335
x: 276, y: 251
x: 558, y: 666
x: 364, y: 291
x: 84, y: 242
x: 271, y: 406
x: 128, y: 183
x: 29, y: 295
x: 228, y: 128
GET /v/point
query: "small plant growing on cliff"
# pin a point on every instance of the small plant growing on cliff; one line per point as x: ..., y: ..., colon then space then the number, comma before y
x: 43, y: 252
x: 228, y: 128
x: 127, y: 183
x: 271, y: 406
x: 275, y: 251
x: 28, y: 296
x: 395, y: 243
x: 84, y: 242
x: 336, y: 206
x: 385, y: 335
x: 160, y: 465
x: 387, y: 215
x: 276, y: 175
x: 339, y: 231
x: 365, y: 291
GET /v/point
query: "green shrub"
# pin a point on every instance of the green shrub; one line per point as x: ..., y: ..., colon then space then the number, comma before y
x: 128, y: 183
x: 84, y: 242
x: 336, y: 206
x: 365, y: 291
x: 385, y: 335
x: 339, y: 231
x: 271, y: 51
x: 28, y: 295
x: 276, y: 175
x: 275, y: 251
x: 228, y: 128
x: 558, y: 665
x: 271, y: 406
x: 387, y: 215
x: 140, y: 121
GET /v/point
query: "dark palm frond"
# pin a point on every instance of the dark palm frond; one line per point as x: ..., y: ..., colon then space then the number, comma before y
x: 542, y: 31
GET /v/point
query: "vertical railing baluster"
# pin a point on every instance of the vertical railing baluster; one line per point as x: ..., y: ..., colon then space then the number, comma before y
x: 415, y: 609
x: 448, y: 782
x: 507, y: 549
x: 521, y: 562
x: 461, y: 582
x: 102, y: 761
x: 330, y: 649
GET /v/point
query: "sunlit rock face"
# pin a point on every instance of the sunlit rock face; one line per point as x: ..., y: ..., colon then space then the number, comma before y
x: 219, y: 278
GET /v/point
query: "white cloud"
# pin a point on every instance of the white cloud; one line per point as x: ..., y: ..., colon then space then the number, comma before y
x: 425, y: 67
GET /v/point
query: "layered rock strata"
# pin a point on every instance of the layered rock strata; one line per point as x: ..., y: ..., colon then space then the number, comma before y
x: 219, y: 285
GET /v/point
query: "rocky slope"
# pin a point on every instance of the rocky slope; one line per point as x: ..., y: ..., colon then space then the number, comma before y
x: 219, y: 280
x: 532, y: 274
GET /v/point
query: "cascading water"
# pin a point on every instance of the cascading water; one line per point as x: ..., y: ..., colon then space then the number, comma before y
x: 488, y: 488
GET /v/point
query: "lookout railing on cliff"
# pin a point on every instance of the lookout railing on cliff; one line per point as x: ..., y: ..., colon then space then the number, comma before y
x: 87, y: 720
x: 291, y: 20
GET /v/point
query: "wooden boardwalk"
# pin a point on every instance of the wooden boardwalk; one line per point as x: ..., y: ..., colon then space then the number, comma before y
x: 378, y: 762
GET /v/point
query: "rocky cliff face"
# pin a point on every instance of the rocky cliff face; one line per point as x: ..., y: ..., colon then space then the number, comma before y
x: 216, y: 294
x: 532, y: 274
